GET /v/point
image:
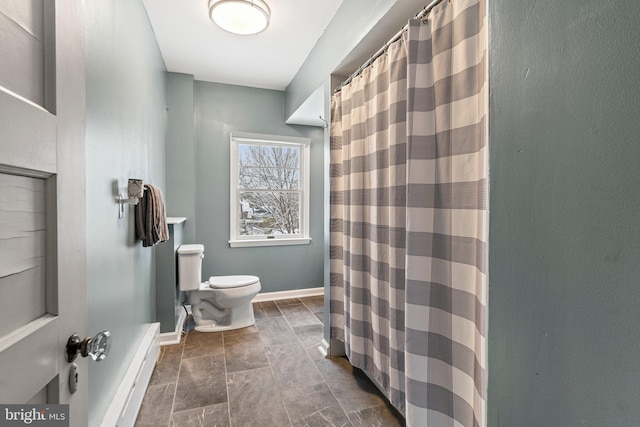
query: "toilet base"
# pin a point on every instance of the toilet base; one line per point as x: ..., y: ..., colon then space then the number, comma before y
x: 220, y: 328
x: 241, y: 317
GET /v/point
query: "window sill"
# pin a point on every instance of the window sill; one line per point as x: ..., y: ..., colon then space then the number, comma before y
x: 269, y: 242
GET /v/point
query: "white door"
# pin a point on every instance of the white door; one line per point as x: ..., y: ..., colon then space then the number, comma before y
x: 42, y: 201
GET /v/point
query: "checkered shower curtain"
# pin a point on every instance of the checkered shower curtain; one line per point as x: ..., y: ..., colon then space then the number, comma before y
x: 409, y: 218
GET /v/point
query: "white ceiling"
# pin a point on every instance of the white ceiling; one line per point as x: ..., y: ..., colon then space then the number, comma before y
x: 190, y: 43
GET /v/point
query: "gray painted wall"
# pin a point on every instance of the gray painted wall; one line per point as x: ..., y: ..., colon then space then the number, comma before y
x: 358, y: 29
x: 564, y: 278
x: 351, y: 23
x: 219, y: 110
x: 126, y: 138
x: 181, y: 181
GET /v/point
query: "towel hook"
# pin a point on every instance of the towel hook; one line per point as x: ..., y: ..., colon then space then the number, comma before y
x: 135, y: 191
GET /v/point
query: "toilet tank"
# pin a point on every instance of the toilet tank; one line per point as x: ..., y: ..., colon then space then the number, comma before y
x: 190, y: 266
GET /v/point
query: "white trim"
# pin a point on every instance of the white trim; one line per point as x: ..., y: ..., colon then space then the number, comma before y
x: 125, y: 405
x: 169, y: 338
x: 264, y: 138
x: 233, y: 185
x: 296, y: 293
x: 235, y: 239
x: 269, y: 242
x: 176, y: 219
x: 324, y: 348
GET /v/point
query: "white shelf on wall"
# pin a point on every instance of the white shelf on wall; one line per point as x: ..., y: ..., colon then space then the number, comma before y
x: 176, y: 219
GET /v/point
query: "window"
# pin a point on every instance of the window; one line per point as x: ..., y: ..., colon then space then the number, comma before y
x: 269, y: 190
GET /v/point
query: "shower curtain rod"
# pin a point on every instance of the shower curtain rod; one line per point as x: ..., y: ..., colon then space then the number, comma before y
x: 420, y: 15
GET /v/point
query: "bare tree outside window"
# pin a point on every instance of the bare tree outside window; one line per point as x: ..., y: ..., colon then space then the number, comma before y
x: 269, y: 188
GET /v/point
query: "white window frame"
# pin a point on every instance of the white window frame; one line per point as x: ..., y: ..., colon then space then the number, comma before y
x: 236, y: 240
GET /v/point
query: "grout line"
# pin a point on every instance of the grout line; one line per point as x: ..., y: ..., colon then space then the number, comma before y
x: 337, y: 400
x: 306, y: 354
x: 275, y: 380
x: 175, y: 391
x: 309, y: 310
x: 226, y: 380
x: 332, y: 393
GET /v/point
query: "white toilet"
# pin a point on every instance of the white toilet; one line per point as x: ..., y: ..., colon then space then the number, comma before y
x: 223, y: 302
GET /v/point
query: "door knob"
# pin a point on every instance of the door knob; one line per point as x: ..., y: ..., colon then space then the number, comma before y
x: 96, y: 347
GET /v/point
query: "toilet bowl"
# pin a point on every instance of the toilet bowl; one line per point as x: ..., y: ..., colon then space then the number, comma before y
x: 221, y: 303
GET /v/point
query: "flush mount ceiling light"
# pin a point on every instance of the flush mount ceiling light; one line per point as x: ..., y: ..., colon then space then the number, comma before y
x: 240, y: 16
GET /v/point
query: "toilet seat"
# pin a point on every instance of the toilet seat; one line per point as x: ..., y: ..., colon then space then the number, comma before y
x: 226, y: 282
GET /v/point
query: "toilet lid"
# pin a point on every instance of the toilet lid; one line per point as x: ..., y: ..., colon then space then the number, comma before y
x: 221, y: 282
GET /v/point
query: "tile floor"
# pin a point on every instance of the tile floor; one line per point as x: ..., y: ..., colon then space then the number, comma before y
x: 270, y: 374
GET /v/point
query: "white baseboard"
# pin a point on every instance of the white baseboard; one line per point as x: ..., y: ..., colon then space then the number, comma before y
x: 168, y: 338
x: 124, y: 407
x: 323, y: 348
x: 296, y: 293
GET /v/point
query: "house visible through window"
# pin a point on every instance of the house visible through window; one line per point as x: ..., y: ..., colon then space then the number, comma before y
x: 269, y: 190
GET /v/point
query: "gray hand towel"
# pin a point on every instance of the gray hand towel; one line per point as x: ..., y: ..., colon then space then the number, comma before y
x: 151, y: 218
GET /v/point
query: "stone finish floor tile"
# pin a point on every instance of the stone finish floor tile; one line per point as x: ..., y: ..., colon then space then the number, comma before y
x: 315, y: 303
x: 317, y: 408
x: 287, y: 302
x: 315, y: 352
x: 258, y: 311
x: 245, y: 354
x: 254, y: 399
x: 378, y: 416
x: 309, y: 334
x: 327, y: 417
x: 299, y: 315
x: 294, y: 371
x: 275, y: 330
x: 266, y: 309
x: 240, y: 334
x: 349, y: 385
x: 335, y: 369
x: 168, y: 365
x: 311, y: 338
x: 199, y: 344
x: 273, y: 373
x: 201, y: 383
x: 198, y: 338
x: 209, y: 416
x: 271, y: 308
x: 172, y: 348
x: 156, y: 406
